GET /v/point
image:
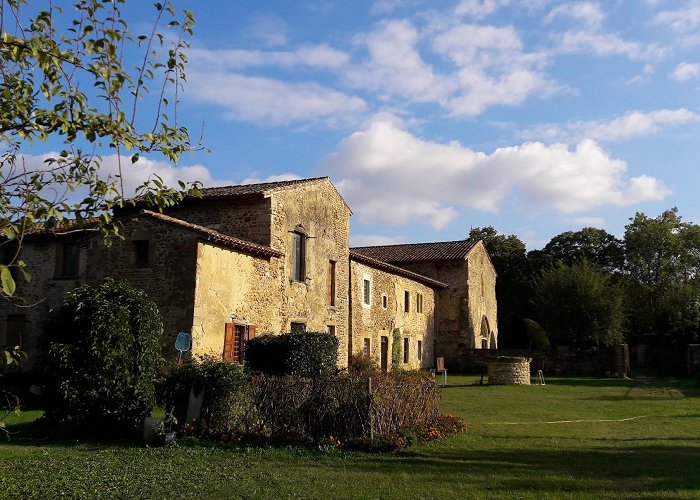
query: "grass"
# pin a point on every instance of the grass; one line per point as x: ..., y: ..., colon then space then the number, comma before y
x: 628, y: 441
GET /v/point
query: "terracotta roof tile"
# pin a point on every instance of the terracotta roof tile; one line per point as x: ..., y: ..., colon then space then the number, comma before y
x: 217, y: 237
x: 419, y: 252
x: 358, y: 257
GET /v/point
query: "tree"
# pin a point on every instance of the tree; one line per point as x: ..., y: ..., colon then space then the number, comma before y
x: 579, y: 305
x: 663, y: 280
x: 597, y: 246
x: 513, y: 283
x: 67, y: 81
x: 102, y: 351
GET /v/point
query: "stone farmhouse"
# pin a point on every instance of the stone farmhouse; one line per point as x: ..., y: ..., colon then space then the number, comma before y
x: 268, y: 258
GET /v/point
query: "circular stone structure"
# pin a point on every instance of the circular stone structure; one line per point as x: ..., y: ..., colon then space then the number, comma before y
x: 508, y: 370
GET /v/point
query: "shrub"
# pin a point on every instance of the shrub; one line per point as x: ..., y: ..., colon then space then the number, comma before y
x: 344, y: 405
x: 396, y: 349
x: 308, y: 354
x: 102, y: 349
x: 226, y: 405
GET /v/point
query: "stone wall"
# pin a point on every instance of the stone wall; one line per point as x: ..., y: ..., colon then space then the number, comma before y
x: 373, y: 321
x: 504, y: 370
x: 232, y: 287
x: 317, y: 210
x: 481, y: 296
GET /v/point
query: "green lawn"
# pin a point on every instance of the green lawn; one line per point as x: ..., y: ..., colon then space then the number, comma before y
x: 635, y: 441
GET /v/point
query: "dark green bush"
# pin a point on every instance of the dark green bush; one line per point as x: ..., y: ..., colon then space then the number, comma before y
x: 100, y: 358
x: 396, y: 349
x: 308, y: 354
x: 226, y: 405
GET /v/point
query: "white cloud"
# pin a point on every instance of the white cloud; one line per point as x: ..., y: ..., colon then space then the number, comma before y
x: 364, y: 240
x: 315, y: 56
x: 630, y: 125
x: 269, y: 30
x: 589, y: 13
x: 478, y: 9
x: 607, y: 44
x: 134, y: 175
x: 254, y: 179
x: 681, y: 20
x: 272, y: 102
x: 394, y: 66
x: 685, y: 71
x: 390, y: 176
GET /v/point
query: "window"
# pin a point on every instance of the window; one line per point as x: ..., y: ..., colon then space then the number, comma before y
x: 420, y: 351
x: 15, y: 329
x: 366, y: 292
x: 419, y: 302
x: 331, y: 282
x: 405, y: 349
x: 235, y: 337
x: 67, y: 260
x: 142, y: 253
x: 296, y: 327
x: 299, y: 256
x: 331, y: 329
x: 385, y: 301
x: 406, y: 301
x: 367, y: 348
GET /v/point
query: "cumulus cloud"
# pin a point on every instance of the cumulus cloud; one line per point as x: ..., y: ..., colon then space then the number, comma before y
x: 267, y: 101
x: 478, y: 9
x: 685, y: 71
x: 607, y: 44
x: 390, y: 176
x: 628, y: 126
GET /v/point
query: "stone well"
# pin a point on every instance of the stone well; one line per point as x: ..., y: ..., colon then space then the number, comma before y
x: 506, y: 370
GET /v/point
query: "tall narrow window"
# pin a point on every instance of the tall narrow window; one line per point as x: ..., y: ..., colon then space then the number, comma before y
x: 67, y: 260
x: 420, y: 351
x: 406, y: 301
x: 385, y: 301
x: 366, y: 290
x: 331, y: 282
x: 405, y: 349
x: 367, y: 348
x: 299, y: 257
x: 419, y: 302
x: 15, y: 330
x: 142, y: 256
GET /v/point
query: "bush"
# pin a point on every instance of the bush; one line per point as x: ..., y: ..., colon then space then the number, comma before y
x: 100, y: 358
x: 344, y: 405
x: 308, y: 354
x: 226, y: 405
x: 396, y: 349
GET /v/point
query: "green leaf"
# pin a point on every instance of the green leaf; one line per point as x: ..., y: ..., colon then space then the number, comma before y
x: 8, y: 282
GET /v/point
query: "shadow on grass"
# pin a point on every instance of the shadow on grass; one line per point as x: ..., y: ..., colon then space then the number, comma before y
x: 591, y: 382
x: 618, y: 472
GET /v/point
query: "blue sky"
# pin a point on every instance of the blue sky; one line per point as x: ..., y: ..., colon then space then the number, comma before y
x: 534, y: 116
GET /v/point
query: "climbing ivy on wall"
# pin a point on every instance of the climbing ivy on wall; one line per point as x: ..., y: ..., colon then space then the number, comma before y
x: 396, y: 349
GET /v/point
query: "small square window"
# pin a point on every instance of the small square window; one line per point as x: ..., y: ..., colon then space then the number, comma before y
x: 296, y: 327
x: 331, y: 329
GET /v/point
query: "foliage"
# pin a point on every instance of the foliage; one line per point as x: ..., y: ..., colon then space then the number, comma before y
x: 396, y: 349
x: 536, y: 334
x: 67, y: 79
x: 596, y: 246
x: 307, y: 354
x: 513, y: 283
x: 579, y: 305
x: 663, y: 262
x: 102, y: 350
x: 226, y: 404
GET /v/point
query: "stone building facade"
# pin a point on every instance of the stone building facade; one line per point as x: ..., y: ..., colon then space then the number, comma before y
x: 466, y: 310
x: 263, y: 258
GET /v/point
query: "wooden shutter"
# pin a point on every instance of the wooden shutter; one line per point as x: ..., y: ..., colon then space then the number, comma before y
x: 251, y: 332
x: 229, y: 341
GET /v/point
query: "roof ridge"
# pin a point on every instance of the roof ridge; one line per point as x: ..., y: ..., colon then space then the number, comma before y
x: 419, y: 243
x: 398, y: 270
